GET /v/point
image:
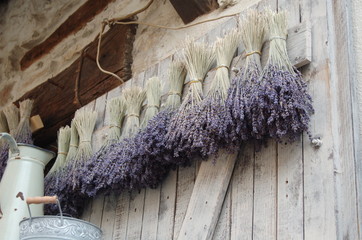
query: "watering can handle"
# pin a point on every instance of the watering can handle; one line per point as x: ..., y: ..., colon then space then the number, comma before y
x: 12, y: 143
x: 42, y: 200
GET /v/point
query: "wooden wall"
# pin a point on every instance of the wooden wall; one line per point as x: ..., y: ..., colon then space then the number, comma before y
x: 293, y: 191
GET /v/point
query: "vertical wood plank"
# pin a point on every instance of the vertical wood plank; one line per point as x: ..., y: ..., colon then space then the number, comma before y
x: 135, y: 216
x: 87, y: 211
x: 150, y: 213
x: 97, y: 211
x: 166, y: 215
x: 185, y: 185
x: 290, y: 191
x: 290, y: 205
x: 344, y: 164
x: 109, y: 213
x: 121, y: 217
x: 243, y: 194
x: 319, y: 203
x: 265, y: 192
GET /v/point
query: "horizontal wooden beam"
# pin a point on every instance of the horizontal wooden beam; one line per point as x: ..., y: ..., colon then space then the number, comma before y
x: 189, y: 10
x: 74, y: 23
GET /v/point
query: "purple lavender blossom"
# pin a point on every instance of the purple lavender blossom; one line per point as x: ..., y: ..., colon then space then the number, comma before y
x: 280, y: 105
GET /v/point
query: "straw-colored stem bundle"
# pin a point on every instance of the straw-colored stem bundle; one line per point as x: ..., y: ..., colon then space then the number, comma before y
x: 134, y: 98
x: 153, y: 96
x: 198, y: 58
x: 12, y: 117
x: 225, y: 49
x: 63, y: 147
x: 177, y: 74
x: 84, y: 121
x: 74, y: 143
x: 23, y: 132
x: 116, y: 110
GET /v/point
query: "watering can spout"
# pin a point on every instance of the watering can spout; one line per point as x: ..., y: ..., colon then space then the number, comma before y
x: 12, y: 143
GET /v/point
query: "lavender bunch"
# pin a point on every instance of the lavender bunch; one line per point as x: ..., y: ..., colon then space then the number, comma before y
x: 280, y: 104
x: 104, y: 172
x: 92, y: 169
x: 209, y: 123
x: 238, y: 105
x: 138, y: 161
x: 11, y: 113
x: 180, y: 138
x: 69, y: 179
x: 51, y: 181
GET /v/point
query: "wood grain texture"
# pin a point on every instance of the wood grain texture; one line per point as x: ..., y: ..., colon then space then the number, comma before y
x: 319, y: 193
x: 207, y: 197
x: 242, y: 186
x: 135, y: 215
x: 121, y: 217
x: 185, y: 185
x: 150, y: 214
x: 344, y: 162
x: 265, y: 193
x: 290, y: 204
x: 109, y: 214
x: 166, y: 215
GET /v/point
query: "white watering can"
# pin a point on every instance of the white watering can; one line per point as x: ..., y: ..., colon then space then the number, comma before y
x: 24, y: 173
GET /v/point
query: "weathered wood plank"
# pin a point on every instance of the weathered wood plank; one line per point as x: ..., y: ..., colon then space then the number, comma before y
x: 290, y: 191
x: 121, y: 217
x: 243, y: 194
x: 222, y: 229
x: 185, y: 185
x: 355, y: 64
x: 290, y: 215
x: 135, y: 216
x: 167, y: 207
x: 319, y: 201
x: 150, y: 214
x: 97, y: 211
x: 109, y: 214
x: 207, y: 197
x: 265, y: 193
x: 344, y: 162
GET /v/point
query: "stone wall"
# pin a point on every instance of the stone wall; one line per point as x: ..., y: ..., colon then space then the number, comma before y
x: 26, y: 23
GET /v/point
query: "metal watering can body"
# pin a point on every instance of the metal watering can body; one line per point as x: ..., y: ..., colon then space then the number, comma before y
x: 24, y: 173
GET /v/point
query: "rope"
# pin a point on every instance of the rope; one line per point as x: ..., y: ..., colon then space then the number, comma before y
x: 112, y: 126
x: 155, y: 106
x: 194, y: 81
x: 176, y: 28
x: 132, y: 115
x: 222, y: 66
x: 253, y: 52
x: 109, y: 22
x: 174, y: 93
